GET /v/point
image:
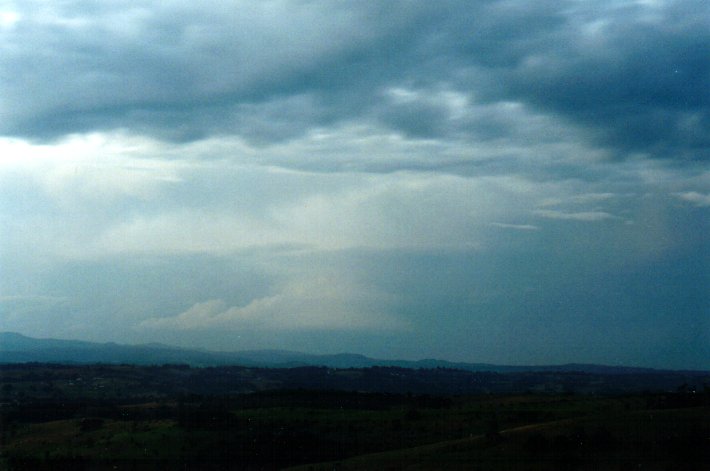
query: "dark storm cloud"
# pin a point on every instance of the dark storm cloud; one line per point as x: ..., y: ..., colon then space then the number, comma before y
x: 74, y: 67
x: 640, y: 79
x: 634, y: 77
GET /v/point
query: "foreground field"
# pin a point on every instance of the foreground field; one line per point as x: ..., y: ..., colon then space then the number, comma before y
x: 127, y: 417
x: 649, y: 440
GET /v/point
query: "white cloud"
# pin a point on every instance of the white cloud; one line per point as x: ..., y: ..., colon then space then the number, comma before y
x: 8, y: 19
x: 579, y: 199
x: 180, y: 232
x: 698, y: 199
x: 118, y: 195
x: 95, y: 167
x: 519, y: 227
x: 587, y: 216
x: 321, y: 302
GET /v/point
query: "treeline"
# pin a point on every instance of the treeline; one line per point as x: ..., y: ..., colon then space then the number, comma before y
x: 129, y: 382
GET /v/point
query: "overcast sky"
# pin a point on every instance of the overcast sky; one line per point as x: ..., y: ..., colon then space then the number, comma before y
x: 519, y: 182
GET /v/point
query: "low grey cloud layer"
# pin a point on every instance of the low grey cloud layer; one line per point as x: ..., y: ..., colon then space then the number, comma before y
x: 634, y: 75
x: 498, y: 181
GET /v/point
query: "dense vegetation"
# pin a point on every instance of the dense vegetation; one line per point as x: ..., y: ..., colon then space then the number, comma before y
x: 128, y: 417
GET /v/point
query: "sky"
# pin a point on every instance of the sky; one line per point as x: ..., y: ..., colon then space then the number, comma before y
x: 512, y: 182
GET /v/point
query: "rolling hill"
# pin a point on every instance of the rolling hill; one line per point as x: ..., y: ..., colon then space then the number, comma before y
x: 17, y: 348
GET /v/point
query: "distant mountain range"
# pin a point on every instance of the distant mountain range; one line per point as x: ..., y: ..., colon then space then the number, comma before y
x: 17, y: 348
